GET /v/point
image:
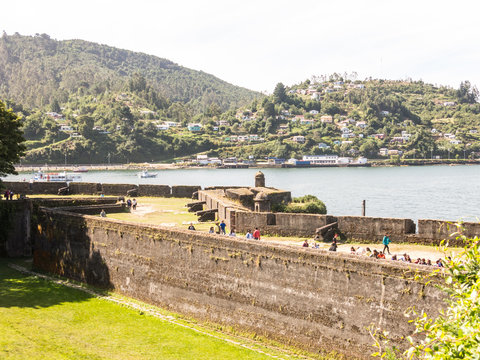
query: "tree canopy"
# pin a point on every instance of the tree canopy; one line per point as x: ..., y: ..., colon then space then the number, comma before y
x: 11, y: 139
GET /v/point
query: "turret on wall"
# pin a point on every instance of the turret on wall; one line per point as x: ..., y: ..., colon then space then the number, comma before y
x: 259, y: 179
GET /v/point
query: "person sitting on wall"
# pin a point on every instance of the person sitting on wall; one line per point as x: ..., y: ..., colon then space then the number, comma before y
x: 381, y: 255
x: 129, y: 204
x: 134, y: 204
x: 249, y: 235
x: 232, y: 232
x: 374, y: 254
x: 360, y: 251
x: 353, y: 251
x: 212, y: 230
x: 316, y: 246
x: 256, y: 234
x: 305, y: 243
x: 103, y: 213
x: 222, y: 227
x: 439, y: 263
x: 368, y: 252
x: 191, y: 227
x: 11, y: 194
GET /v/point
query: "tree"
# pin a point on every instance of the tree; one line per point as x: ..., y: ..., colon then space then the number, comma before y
x: 466, y: 93
x: 279, y: 94
x: 11, y: 139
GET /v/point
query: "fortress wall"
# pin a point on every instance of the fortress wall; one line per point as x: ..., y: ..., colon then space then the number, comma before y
x: 439, y: 230
x: 36, y: 187
x: 154, y: 190
x: 84, y: 188
x: 117, y: 189
x: 15, y: 221
x: 373, y: 229
x: 284, y: 224
x: 304, y: 297
x: 184, y: 191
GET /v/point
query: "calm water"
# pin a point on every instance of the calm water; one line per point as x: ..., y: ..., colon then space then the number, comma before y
x: 424, y: 192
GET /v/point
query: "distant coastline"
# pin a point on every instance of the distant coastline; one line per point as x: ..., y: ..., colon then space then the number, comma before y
x: 157, y: 166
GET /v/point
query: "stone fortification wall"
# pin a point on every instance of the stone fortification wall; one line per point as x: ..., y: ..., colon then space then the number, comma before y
x: 117, y: 189
x: 85, y: 188
x: 95, y: 209
x: 281, y: 223
x: 77, y: 188
x: 373, y: 229
x: 353, y: 227
x: 35, y: 188
x: 69, y: 202
x: 184, y: 191
x: 154, y: 190
x: 434, y: 231
x: 304, y: 297
x: 15, y: 223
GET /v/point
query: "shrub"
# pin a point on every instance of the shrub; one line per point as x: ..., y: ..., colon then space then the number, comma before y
x: 307, y: 204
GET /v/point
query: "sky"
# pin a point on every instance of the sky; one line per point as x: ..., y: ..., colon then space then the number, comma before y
x: 258, y: 43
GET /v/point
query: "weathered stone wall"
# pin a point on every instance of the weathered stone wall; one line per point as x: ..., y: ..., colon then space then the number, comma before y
x: 184, y: 191
x: 84, y: 188
x: 117, y: 189
x: 306, y: 297
x: 35, y: 188
x: 439, y: 230
x: 373, y: 229
x: 15, y: 224
x: 281, y: 223
x: 154, y: 190
x: 95, y: 209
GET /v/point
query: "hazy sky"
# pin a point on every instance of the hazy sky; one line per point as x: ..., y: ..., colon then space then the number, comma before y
x: 256, y: 44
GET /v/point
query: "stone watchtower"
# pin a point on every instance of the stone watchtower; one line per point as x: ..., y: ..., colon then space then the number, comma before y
x: 259, y: 179
x: 262, y: 203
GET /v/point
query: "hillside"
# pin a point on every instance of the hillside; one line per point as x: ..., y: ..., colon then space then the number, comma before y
x: 37, y: 71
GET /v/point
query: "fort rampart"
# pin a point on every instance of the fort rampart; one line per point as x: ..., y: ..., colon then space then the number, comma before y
x: 305, y: 297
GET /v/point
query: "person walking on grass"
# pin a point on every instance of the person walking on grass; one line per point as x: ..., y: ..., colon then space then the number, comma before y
x: 385, y: 242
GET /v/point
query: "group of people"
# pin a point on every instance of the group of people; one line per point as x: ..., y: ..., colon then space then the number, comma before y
x: 131, y: 204
x: 8, y: 194
x: 222, y: 230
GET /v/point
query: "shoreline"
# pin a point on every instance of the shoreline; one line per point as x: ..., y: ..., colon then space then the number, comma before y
x: 157, y: 166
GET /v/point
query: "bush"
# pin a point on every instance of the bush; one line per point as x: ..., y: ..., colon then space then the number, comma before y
x: 307, y: 204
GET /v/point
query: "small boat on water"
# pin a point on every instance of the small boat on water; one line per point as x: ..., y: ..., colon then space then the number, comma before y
x: 145, y: 174
x: 80, y: 170
x: 61, y: 176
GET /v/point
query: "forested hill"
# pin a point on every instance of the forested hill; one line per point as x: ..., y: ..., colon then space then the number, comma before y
x: 37, y: 70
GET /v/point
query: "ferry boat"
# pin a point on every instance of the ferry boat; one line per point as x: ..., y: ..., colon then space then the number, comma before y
x: 145, y: 174
x: 80, y: 169
x: 61, y: 176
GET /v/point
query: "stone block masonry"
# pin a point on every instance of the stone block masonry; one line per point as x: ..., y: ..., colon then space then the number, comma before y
x: 303, y: 297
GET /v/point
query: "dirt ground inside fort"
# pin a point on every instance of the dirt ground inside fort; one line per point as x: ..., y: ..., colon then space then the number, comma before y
x: 172, y: 212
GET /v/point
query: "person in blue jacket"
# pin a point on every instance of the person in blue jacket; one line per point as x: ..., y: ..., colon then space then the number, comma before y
x: 386, y: 241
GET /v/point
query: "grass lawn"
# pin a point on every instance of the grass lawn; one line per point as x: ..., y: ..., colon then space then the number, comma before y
x: 40, y: 319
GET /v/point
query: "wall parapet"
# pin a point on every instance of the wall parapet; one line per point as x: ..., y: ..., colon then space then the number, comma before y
x: 307, y: 297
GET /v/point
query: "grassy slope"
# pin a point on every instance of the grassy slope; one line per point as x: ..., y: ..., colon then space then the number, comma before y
x: 42, y: 320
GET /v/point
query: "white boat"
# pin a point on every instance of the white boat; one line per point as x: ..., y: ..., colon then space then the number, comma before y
x: 145, y: 174
x: 61, y: 176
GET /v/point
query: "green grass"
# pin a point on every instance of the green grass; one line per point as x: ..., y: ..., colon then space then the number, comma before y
x: 40, y: 319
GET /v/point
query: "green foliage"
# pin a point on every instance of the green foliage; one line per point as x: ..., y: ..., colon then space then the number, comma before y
x: 11, y: 140
x: 308, y: 204
x: 38, y: 70
x: 455, y: 334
